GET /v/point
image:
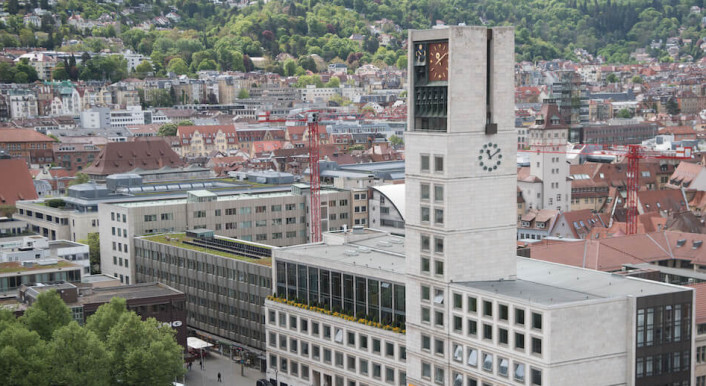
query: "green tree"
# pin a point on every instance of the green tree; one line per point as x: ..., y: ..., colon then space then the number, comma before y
x: 167, y: 130
x: 106, y: 317
x: 612, y: 78
x: 178, y: 66
x: 94, y: 251
x: 334, y: 82
x: 290, y: 67
x: 144, y: 353
x: 78, y: 357
x: 243, y: 93
x: 22, y: 355
x: 396, y: 141
x: 624, y: 113
x: 80, y: 178
x: 47, y: 314
x: 402, y: 62
x: 60, y: 72
x: 672, y: 107
x: 637, y: 79
x: 143, y: 69
x: 186, y: 122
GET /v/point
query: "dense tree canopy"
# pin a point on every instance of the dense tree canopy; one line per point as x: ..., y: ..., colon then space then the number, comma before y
x: 46, y: 347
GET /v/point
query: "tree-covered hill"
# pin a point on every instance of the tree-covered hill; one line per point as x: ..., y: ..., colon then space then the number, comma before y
x: 224, y: 36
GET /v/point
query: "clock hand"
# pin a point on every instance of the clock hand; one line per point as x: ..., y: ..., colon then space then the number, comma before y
x: 488, y: 153
x: 439, y: 58
x: 496, y: 152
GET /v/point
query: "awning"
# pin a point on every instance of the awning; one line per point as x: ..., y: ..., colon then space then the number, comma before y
x: 197, y: 343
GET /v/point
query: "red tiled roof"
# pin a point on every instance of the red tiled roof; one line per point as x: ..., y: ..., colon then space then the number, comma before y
x: 22, y: 135
x: 122, y: 157
x: 17, y: 182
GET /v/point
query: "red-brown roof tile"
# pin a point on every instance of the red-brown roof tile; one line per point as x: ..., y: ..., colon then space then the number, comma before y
x: 15, y: 182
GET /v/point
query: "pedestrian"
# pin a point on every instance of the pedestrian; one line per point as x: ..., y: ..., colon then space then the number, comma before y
x: 219, y: 377
x: 201, y: 363
x: 189, y: 366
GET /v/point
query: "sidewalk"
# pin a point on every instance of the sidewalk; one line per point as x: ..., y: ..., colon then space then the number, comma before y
x: 230, y: 373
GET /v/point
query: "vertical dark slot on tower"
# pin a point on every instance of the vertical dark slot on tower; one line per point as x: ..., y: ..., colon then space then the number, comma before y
x: 490, y: 127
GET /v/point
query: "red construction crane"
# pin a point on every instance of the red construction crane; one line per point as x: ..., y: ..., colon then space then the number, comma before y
x: 312, y: 123
x: 633, y: 153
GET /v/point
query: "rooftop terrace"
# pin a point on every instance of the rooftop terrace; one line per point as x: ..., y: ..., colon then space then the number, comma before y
x: 180, y: 240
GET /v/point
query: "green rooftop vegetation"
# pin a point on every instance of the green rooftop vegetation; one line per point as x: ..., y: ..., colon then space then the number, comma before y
x: 178, y: 240
x: 17, y: 267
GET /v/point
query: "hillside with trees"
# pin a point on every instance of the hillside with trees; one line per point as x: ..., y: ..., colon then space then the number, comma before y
x: 294, y: 34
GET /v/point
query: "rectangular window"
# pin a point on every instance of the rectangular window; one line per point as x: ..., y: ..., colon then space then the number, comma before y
x: 261, y: 209
x: 487, y: 308
x: 503, y: 310
x: 536, y: 321
x: 438, y: 163
x: 536, y: 345
x: 438, y: 193
x: 519, y: 316
x: 425, y: 214
x: 425, y: 191
x: 438, y: 216
x: 425, y: 163
x: 536, y: 376
x: 472, y: 304
x: 472, y: 328
x: 502, y: 336
x: 519, y: 341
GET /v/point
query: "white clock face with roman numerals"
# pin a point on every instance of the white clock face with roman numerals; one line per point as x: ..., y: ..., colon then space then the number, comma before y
x: 490, y: 157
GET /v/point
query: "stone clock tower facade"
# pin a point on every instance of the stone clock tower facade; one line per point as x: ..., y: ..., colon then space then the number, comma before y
x: 461, y: 182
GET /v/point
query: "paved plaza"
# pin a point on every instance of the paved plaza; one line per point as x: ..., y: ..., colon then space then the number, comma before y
x: 229, y: 369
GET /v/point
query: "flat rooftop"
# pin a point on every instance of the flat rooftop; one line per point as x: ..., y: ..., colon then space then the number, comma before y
x: 17, y: 267
x: 135, y: 291
x: 178, y: 240
x: 368, y: 253
x: 552, y: 284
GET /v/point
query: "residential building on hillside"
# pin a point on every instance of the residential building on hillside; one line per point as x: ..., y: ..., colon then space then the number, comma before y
x: 201, y: 141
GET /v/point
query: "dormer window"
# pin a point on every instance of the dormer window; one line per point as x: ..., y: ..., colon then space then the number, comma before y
x: 541, y: 225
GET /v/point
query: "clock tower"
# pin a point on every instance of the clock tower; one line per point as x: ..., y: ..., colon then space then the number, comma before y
x: 461, y: 179
x: 461, y: 170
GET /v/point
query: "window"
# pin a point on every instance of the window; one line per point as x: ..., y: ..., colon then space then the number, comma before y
x: 487, y: 308
x: 389, y: 349
x: 536, y: 321
x: 327, y: 355
x: 438, y: 193
x: 376, y: 346
x: 339, y: 359
x: 425, y: 214
x: 438, y: 245
x: 425, y: 166
x: 351, y: 338
x: 439, y: 375
x: 350, y: 362
x: 519, y: 373
x: 438, y: 347
x: 426, y: 343
x: 458, y: 324
x: 457, y: 352
x: 425, y: 243
x: 519, y: 341
x: 488, y: 362
x: 439, y: 318
x: 261, y: 209
x: 458, y: 301
x: 377, y: 369
x: 438, y: 216
x: 536, y: 345
x: 472, y: 304
x: 472, y: 328
x: 276, y: 208
x: 426, y: 293
x: 438, y: 296
x: 503, y: 366
x: 426, y: 370
x: 363, y: 341
x: 425, y: 191
x: 363, y: 364
x: 472, y: 357
x: 338, y: 337
x: 327, y: 332
x: 426, y: 265
x: 487, y: 331
x: 502, y: 336
x: 503, y: 311
x: 536, y: 376
x: 519, y: 316
x: 438, y: 163
x: 438, y: 267
x: 426, y: 314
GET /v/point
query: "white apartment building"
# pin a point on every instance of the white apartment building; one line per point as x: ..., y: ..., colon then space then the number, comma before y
x: 33, y: 248
x: 474, y: 312
x: 23, y: 104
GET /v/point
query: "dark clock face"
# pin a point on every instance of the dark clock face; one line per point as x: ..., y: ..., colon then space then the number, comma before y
x: 439, y: 61
x: 490, y: 157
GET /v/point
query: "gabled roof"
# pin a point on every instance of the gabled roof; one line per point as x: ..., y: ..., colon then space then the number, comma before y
x: 22, y: 135
x: 16, y: 183
x: 670, y: 200
x: 122, y: 157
